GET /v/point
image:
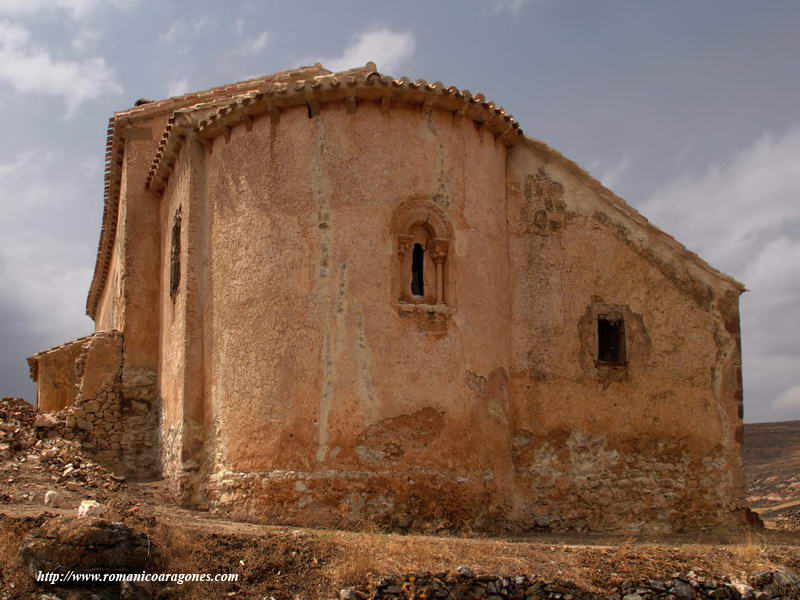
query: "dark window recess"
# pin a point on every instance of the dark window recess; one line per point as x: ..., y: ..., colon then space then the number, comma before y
x: 417, y: 271
x: 610, y: 340
x: 175, y: 256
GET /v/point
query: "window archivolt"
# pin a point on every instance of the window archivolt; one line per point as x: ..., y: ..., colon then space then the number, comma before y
x: 423, y: 266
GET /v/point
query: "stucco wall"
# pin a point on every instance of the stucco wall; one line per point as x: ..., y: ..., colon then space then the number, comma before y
x: 55, y: 376
x: 313, y: 371
x: 110, y: 307
x: 141, y: 236
x: 172, y: 356
x: 298, y: 389
x: 650, y: 445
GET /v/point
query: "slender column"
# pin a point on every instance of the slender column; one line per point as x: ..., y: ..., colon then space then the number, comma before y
x: 439, y: 248
x: 404, y: 266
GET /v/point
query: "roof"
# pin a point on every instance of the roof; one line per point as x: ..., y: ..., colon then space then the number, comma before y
x: 33, y: 363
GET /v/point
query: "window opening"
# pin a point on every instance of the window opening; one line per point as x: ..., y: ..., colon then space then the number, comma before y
x: 175, y: 256
x: 610, y: 340
x: 418, y: 271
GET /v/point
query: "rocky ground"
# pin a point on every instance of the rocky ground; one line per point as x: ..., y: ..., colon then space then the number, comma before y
x: 45, y: 478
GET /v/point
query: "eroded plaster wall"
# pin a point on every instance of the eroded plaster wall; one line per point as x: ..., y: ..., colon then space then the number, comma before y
x: 654, y: 444
x: 298, y: 388
x: 110, y: 313
x: 105, y: 418
x: 55, y: 376
x: 328, y: 404
x: 172, y: 357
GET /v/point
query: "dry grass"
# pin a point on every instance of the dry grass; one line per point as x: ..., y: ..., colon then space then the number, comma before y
x: 285, y: 562
x: 597, y: 567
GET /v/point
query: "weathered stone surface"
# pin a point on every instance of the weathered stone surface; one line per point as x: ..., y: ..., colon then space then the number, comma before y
x: 53, y: 498
x: 91, y: 508
x: 45, y: 420
x: 464, y: 584
x: 89, y: 545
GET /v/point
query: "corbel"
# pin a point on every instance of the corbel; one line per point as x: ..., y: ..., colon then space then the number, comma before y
x: 274, y: 115
x: 311, y: 101
x: 208, y: 144
x: 350, y: 103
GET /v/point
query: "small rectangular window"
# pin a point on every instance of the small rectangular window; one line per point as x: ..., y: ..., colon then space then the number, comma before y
x: 611, y: 340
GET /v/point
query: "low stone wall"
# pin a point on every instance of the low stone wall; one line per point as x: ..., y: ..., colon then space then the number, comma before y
x: 695, y: 584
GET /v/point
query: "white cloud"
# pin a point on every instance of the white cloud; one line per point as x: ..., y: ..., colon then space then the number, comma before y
x: 85, y: 38
x: 388, y: 48
x: 731, y: 210
x: 75, y: 9
x: 31, y: 69
x: 613, y: 175
x: 743, y: 216
x: 512, y: 7
x: 183, y: 31
x: 256, y: 44
x: 789, y: 399
x: 178, y: 87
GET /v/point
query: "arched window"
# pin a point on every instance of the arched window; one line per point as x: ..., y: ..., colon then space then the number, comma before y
x: 423, y: 241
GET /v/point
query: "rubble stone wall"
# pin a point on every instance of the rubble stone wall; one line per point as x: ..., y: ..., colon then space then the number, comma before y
x: 113, y: 416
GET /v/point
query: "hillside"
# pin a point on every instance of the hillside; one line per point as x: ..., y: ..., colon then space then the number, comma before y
x: 772, y: 466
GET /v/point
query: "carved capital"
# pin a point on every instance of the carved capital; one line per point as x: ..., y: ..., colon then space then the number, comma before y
x: 403, y: 244
x: 438, y: 249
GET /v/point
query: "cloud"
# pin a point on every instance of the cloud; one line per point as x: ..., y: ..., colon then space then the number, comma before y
x: 743, y: 216
x: 178, y: 88
x: 790, y: 399
x: 512, y: 7
x: 30, y: 69
x: 185, y: 30
x: 44, y: 261
x: 256, y: 44
x: 388, y: 48
x: 74, y: 9
x: 613, y: 175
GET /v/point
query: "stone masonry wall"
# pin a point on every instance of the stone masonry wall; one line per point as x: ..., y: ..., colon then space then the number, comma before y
x: 113, y: 417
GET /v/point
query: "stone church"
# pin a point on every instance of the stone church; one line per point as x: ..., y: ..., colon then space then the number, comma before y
x: 346, y: 299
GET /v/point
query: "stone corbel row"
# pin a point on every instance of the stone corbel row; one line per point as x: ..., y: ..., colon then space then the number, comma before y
x: 354, y: 88
x: 350, y: 88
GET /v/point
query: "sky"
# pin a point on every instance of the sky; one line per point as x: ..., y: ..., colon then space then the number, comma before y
x: 688, y: 110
